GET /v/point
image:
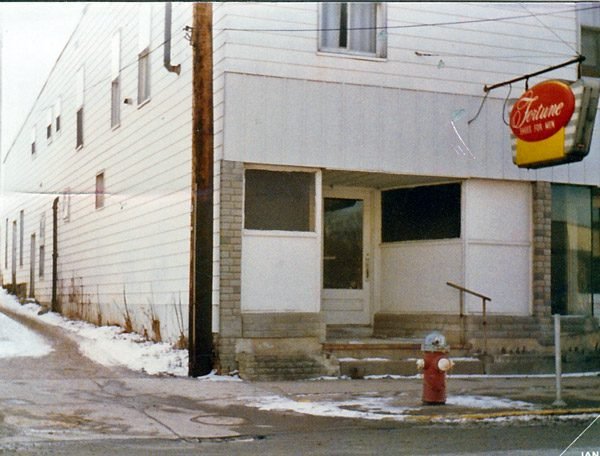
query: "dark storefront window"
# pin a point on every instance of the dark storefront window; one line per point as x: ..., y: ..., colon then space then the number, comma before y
x: 575, y: 249
x: 421, y: 213
x: 277, y: 200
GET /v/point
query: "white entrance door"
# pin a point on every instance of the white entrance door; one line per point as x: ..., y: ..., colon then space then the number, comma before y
x: 346, y: 256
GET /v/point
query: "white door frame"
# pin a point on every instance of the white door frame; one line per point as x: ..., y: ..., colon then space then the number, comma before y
x: 351, y: 306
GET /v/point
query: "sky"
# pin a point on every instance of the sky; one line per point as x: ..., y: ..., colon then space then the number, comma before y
x: 33, y: 35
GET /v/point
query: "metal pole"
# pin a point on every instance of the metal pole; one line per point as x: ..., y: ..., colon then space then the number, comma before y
x: 484, y: 328
x: 557, y: 361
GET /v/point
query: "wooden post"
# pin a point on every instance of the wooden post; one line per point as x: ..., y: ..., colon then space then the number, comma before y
x: 201, y: 274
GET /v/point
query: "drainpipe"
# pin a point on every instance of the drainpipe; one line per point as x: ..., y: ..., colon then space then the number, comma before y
x: 54, y: 304
x: 201, y: 249
x: 167, y: 41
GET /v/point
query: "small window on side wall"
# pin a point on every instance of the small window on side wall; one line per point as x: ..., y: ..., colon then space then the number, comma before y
x: 57, y: 112
x: 276, y: 200
x: 143, y: 77
x: 33, y: 140
x: 100, y: 189
x: 421, y: 213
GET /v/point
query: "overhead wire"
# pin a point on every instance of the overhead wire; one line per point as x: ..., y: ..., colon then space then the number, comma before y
x: 408, y: 26
x: 186, y: 30
x: 550, y: 30
x: 387, y: 27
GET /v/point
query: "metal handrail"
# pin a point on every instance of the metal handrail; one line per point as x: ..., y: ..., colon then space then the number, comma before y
x: 484, y: 300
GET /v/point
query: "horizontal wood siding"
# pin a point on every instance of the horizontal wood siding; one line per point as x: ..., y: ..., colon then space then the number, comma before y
x: 135, y: 248
x: 377, y: 129
x: 288, y: 103
x: 282, y: 40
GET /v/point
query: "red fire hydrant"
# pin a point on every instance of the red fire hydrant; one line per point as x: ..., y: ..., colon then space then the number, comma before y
x: 435, y: 364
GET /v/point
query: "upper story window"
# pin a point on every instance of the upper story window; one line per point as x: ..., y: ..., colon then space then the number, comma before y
x: 49, y: 117
x: 33, y: 138
x: 353, y: 28
x: 145, y: 20
x: 79, y: 83
x: 588, y: 16
x: 57, y: 112
x: 115, y: 103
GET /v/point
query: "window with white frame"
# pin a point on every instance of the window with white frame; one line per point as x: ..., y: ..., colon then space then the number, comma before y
x: 278, y: 200
x: 49, y: 116
x: 57, y: 112
x: 79, y: 87
x: 100, y: 190
x: 115, y: 103
x: 353, y: 28
x: 421, y: 213
x: 33, y: 142
x: 145, y: 15
x: 588, y: 15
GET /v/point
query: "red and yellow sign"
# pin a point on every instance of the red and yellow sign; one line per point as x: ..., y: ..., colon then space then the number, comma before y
x: 542, y: 111
x: 539, y: 120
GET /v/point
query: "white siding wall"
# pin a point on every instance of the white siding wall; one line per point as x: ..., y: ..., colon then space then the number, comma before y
x: 377, y: 129
x: 280, y: 39
x: 137, y: 246
x: 287, y: 103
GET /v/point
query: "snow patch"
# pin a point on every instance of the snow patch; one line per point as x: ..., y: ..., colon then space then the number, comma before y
x: 487, y: 402
x: 110, y: 345
x: 18, y: 341
x: 364, y: 407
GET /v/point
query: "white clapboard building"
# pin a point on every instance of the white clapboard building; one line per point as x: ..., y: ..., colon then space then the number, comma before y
x: 363, y: 184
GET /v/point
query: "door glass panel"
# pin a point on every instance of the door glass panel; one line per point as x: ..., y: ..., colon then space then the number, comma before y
x: 343, y: 244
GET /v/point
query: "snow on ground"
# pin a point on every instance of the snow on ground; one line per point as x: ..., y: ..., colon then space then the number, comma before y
x: 487, y: 402
x: 18, y: 341
x: 107, y: 345
x: 374, y: 407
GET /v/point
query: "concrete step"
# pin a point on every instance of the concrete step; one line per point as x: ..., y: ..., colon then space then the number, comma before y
x: 503, y: 364
x: 394, y: 349
x: 359, y: 368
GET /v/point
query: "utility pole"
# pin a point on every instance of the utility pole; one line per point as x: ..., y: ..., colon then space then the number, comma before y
x: 201, y: 268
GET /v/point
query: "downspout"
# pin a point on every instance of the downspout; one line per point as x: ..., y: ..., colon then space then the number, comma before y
x: 167, y: 41
x: 201, y: 267
x: 54, y: 303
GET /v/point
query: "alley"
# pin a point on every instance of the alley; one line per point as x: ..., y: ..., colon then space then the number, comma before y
x: 65, y: 396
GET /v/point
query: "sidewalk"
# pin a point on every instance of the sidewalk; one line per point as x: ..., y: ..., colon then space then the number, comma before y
x: 470, y: 398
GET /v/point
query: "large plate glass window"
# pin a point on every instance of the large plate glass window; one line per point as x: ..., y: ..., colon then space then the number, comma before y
x: 575, y: 249
x: 421, y: 213
x: 276, y: 200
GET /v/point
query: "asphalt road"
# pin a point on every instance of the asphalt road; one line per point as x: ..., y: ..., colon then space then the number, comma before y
x: 548, y: 438
x: 65, y: 404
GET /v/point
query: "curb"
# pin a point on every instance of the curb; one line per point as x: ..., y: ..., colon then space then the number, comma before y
x: 502, y: 414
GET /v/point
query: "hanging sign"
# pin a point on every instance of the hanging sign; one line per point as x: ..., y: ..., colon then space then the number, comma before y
x: 542, y: 111
x: 551, y: 124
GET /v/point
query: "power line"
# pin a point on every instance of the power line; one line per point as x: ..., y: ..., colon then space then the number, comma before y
x: 409, y: 26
